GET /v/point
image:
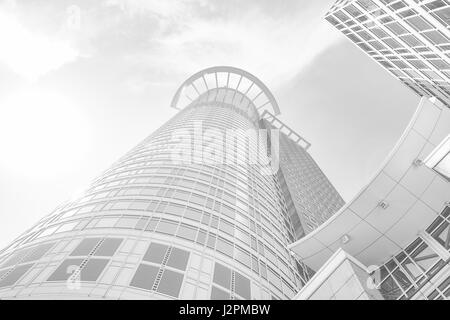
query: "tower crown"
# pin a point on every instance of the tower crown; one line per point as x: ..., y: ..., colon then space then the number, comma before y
x: 238, y: 82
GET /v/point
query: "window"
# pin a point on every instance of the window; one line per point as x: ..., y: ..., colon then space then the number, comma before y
x: 166, y: 227
x: 412, y: 41
x: 201, y: 237
x: 175, y: 209
x: 226, y: 227
x: 138, y: 205
x: 65, y: 270
x: 155, y: 253
x: 444, y: 14
x: 396, y: 28
x: 14, y: 275
x: 440, y: 229
x: 90, y: 272
x: 222, y: 276
x: 187, y: 232
x: 419, y: 23
x: 170, y: 283
x: 367, y: 5
x: 193, y: 214
x: 436, y: 37
x: 425, y: 257
x: 243, y: 257
x: 67, y: 227
x: 178, y: 259
x: 219, y: 294
x: 144, y: 277
x: 93, y: 269
x: 439, y: 159
x: 38, y: 252
x: 389, y: 289
x: 242, y: 286
x: 152, y: 224
x: 85, y: 247
x: 127, y: 223
x: 224, y: 247
x: 242, y: 235
x: 140, y: 225
x: 106, y: 222
x: 108, y: 247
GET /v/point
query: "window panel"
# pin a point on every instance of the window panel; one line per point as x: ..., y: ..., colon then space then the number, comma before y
x: 444, y: 14
x: 166, y: 227
x: 425, y: 257
x: 419, y: 23
x: 389, y: 289
x: 67, y: 227
x: 222, y: 276
x: 219, y: 294
x: 65, y: 270
x: 108, y: 247
x: 242, y: 286
x: 140, y: 225
x: 106, y: 222
x: 144, y: 277
x: 155, y: 253
x: 170, y: 283
x: 193, y: 214
x: 225, y: 247
x: 85, y: 247
x: 187, y: 232
x: 436, y: 37
x: 178, y: 259
x: 93, y: 269
x: 127, y: 222
x: 175, y: 210
x: 15, y: 275
x: 152, y: 224
x: 226, y: 227
x: 38, y: 252
x: 15, y: 258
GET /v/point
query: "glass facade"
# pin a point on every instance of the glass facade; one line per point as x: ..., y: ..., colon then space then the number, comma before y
x: 409, y: 38
x: 420, y: 271
x: 178, y: 217
x: 312, y: 198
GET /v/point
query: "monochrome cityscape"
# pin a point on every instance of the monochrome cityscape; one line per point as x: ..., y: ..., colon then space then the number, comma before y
x: 225, y: 202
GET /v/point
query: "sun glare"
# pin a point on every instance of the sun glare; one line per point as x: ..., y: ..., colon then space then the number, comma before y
x: 42, y: 134
x: 28, y: 53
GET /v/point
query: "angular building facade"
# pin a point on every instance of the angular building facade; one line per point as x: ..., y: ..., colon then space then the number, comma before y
x: 409, y: 38
x: 189, y: 213
x: 397, y: 228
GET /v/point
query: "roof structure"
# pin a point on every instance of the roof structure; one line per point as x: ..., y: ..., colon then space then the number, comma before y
x: 234, y: 79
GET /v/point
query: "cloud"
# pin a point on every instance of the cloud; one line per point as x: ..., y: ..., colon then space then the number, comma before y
x: 164, y: 9
x: 28, y: 53
x: 273, y: 40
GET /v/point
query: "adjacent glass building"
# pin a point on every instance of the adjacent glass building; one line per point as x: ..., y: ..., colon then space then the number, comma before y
x: 410, y: 38
x: 396, y: 229
x: 204, y: 208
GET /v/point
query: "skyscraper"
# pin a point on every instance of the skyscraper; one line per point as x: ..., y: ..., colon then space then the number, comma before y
x: 410, y: 38
x: 203, y: 208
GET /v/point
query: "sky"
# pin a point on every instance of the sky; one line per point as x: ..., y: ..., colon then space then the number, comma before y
x: 82, y: 82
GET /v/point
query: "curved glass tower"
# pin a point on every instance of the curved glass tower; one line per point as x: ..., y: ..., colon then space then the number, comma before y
x: 201, y: 209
